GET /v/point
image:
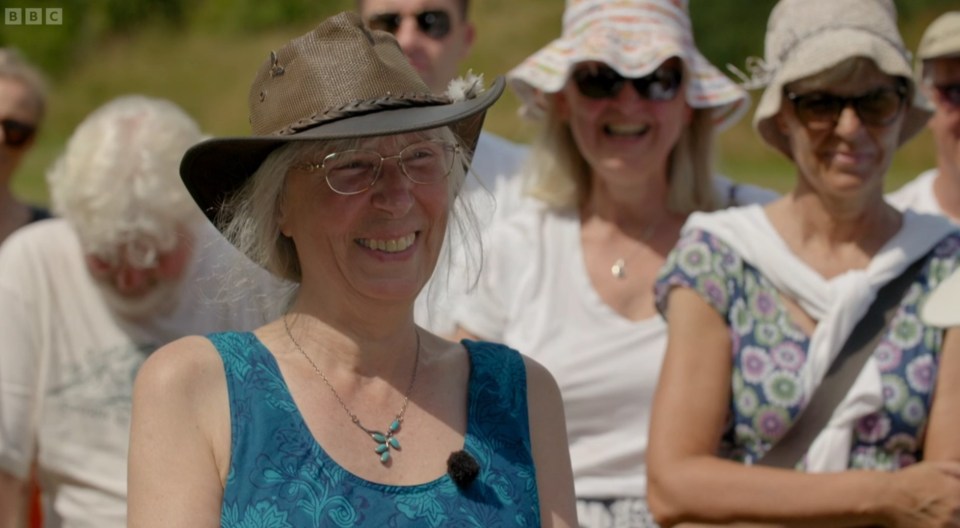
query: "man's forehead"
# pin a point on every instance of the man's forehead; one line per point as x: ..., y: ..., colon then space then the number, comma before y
x: 945, y: 67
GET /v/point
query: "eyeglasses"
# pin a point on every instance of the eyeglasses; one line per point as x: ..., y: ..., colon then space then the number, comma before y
x: 355, y: 171
x: 949, y: 93
x: 16, y: 133
x: 603, y: 82
x: 877, y: 108
x: 433, y: 23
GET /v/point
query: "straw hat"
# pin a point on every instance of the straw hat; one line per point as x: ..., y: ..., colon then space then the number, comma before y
x: 942, y: 37
x: 633, y: 37
x: 806, y: 37
x: 341, y: 80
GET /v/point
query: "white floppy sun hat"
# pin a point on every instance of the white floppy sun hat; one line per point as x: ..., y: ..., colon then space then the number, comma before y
x: 633, y: 37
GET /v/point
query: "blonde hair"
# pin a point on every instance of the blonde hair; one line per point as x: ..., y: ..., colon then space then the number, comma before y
x: 561, y: 175
x: 14, y: 66
x: 118, y: 181
x: 249, y: 218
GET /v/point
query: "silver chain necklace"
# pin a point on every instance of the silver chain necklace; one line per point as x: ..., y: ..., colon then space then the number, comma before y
x: 385, y: 441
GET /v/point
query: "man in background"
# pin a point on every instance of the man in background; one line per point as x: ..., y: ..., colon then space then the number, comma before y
x: 436, y: 36
x: 937, y: 191
x: 130, y: 265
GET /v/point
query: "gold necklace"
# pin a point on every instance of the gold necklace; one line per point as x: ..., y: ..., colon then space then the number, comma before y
x: 385, y: 441
x: 619, y: 268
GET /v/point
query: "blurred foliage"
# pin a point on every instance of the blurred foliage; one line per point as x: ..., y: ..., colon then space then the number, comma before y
x: 202, y: 54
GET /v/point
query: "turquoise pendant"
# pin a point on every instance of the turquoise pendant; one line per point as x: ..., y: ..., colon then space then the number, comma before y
x: 386, y: 441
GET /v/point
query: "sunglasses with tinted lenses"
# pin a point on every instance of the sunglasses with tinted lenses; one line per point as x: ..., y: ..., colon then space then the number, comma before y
x: 433, y: 23
x: 821, y: 110
x: 949, y: 93
x: 16, y: 133
x: 603, y: 82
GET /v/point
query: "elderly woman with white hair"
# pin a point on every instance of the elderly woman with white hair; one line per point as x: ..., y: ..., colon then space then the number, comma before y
x: 800, y: 387
x: 343, y: 412
x: 129, y: 266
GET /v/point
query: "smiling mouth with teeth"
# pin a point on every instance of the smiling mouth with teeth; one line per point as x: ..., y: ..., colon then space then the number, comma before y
x: 626, y: 130
x: 394, y: 245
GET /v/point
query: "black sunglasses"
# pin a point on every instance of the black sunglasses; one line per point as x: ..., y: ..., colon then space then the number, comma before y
x: 949, y: 93
x: 603, y: 82
x: 16, y: 133
x: 877, y: 108
x: 433, y: 23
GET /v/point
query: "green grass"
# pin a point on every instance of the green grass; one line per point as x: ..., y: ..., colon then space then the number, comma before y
x: 208, y: 74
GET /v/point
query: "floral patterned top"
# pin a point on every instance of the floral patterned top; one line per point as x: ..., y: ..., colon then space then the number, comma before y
x: 280, y: 477
x: 769, y: 351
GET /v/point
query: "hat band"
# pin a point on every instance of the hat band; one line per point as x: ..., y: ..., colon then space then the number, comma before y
x: 360, y: 108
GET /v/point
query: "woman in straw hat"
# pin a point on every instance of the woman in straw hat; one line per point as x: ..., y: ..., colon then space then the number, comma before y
x: 343, y: 412
x: 760, y: 302
x: 629, y: 108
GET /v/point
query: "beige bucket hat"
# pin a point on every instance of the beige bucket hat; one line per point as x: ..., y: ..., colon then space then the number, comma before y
x: 942, y: 37
x: 806, y: 37
x: 339, y: 81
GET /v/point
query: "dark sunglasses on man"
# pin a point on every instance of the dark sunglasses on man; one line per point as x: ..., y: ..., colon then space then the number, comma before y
x: 599, y: 81
x: 16, y: 133
x: 434, y: 23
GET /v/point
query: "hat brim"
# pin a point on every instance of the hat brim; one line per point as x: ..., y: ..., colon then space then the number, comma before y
x: 216, y: 168
x: 547, y: 70
x: 941, y: 308
x: 822, y: 52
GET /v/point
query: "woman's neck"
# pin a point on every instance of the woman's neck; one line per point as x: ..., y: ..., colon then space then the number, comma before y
x: 633, y: 205
x: 13, y: 213
x: 834, y: 235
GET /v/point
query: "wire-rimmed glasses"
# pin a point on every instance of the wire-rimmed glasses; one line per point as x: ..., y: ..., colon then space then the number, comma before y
x: 354, y: 171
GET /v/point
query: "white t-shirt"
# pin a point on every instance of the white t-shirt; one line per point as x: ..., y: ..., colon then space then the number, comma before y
x: 917, y: 195
x: 493, y: 190
x: 68, y: 362
x: 535, y: 295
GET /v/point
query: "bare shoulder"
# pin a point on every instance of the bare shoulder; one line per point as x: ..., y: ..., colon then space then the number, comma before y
x: 189, y: 366
x: 540, y: 383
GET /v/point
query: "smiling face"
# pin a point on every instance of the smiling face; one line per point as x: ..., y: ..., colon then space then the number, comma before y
x: 435, y: 54
x: 627, y: 135
x: 848, y: 158
x: 381, y: 243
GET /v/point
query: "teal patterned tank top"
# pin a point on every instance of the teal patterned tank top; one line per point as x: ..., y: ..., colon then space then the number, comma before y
x: 280, y: 477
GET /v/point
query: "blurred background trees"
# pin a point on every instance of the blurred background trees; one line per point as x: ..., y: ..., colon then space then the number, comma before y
x: 202, y: 54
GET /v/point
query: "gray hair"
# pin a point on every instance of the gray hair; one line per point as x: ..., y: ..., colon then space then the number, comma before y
x: 118, y: 180
x: 561, y: 175
x: 14, y: 66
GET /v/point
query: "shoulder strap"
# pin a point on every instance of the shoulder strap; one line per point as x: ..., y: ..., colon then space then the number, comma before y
x: 861, y: 344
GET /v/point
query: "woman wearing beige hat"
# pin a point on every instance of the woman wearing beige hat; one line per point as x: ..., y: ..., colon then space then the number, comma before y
x: 343, y: 412
x: 800, y: 386
x: 629, y: 108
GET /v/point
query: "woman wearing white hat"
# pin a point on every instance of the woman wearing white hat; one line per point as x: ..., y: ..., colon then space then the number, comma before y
x: 629, y: 108
x: 794, y: 337
x: 343, y: 412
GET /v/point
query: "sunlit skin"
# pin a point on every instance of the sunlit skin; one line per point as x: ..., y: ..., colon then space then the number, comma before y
x: 333, y: 232
x: 945, y: 127
x: 848, y: 161
x: 437, y: 61
x: 625, y: 136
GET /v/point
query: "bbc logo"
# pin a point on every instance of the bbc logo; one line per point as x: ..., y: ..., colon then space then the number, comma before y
x: 33, y: 16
